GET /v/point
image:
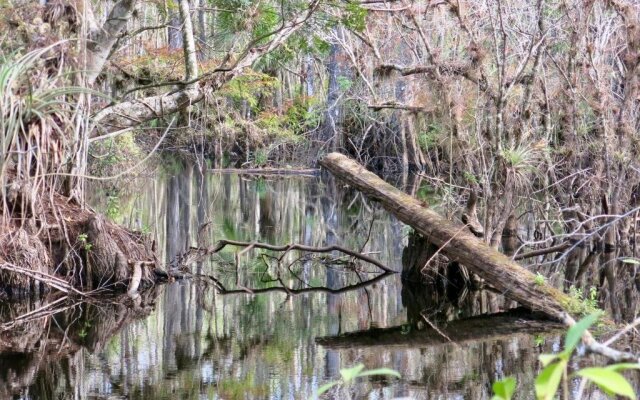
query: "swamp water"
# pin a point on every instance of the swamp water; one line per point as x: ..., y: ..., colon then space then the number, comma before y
x: 185, y: 341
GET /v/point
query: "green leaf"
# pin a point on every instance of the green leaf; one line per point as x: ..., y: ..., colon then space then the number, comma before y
x: 623, y: 366
x: 349, y: 374
x: 324, y: 388
x: 574, y: 334
x: 634, y: 261
x: 546, y: 359
x: 380, y: 371
x: 611, y: 382
x: 548, y: 381
x: 504, y: 389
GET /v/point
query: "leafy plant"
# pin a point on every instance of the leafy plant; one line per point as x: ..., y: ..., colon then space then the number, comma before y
x: 249, y: 87
x: 430, y: 137
x: 355, y: 16
x: 113, y: 207
x: 470, y: 177
x: 584, y: 304
x: 348, y: 375
x: 260, y: 157
x: 83, y: 239
x: 344, y: 83
x: 539, y: 279
x: 608, y: 379
x: 504, y: 389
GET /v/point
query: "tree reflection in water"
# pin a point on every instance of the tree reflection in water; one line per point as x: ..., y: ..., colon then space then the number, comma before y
x: 185, y: 340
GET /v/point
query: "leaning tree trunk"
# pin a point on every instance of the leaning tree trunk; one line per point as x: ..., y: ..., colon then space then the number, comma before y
x: 460, y: 245
x: 456, y: 241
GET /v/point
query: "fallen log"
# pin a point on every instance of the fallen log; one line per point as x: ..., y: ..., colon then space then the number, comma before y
x: 460, y: 245
x: 457, y: 243
x: 267, y: 171
x: 475, y: 329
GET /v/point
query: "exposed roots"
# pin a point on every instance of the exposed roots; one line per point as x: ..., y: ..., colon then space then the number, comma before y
x: 68, y: 245
x: 20, y: 248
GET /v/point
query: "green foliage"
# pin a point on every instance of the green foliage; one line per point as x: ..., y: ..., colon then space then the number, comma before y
x: 110, y: 156
x: 257, y: 18
x: 581, y: 303
x: 344, y: 83
x: 113, y: 207
x: 430, y: 137
x: 539, y: 279
x: 84, y: 330
x: 249, y: 87
x: 547, y: 382
x: 608, y: 379
x: 260, y: 158
x: 348, y: 375
x: 470, y: 177
x: 355, y: 16
x: 538, y: 340
x: 504, y: 389
x: 303, y: 114
x: 83, y: 239
x: 299, y: 44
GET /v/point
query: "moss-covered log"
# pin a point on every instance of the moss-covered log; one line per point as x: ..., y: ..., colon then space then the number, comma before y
x: 456, y: 241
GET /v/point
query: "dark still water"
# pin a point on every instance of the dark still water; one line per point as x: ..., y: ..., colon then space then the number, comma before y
x: 186, y: 341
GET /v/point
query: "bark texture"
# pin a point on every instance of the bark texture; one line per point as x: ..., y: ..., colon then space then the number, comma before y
x: 102, y: 40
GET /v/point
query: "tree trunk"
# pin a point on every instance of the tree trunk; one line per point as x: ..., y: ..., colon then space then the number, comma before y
x: 332, y: 129
x: 456, y: 241
x: 188, y: 42
x: 102, y: 39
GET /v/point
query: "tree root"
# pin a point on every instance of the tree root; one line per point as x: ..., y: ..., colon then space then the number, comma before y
x: 68, y: 248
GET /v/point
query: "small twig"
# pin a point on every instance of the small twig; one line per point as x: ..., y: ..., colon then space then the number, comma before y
x: 541, y: 252
x: 435, y: 328
x: 622, y: 332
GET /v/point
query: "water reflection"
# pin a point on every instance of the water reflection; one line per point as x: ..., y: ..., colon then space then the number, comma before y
x: 184, y: 340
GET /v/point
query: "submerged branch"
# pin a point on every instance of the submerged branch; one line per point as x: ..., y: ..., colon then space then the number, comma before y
x: 178, y: 268
x: 293, y: 292
x: 196, y: 254
x: 49, y: 280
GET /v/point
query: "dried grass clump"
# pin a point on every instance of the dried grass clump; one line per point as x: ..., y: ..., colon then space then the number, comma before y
x: 18, y: 247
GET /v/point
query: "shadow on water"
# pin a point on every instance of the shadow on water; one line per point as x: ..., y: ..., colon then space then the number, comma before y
x: 185, y: 340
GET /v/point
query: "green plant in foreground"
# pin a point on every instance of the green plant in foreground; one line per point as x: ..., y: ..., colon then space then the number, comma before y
x: 348, y: 375
x: 504, y: 389
x: 539, y: 279
x: 608, y: 379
